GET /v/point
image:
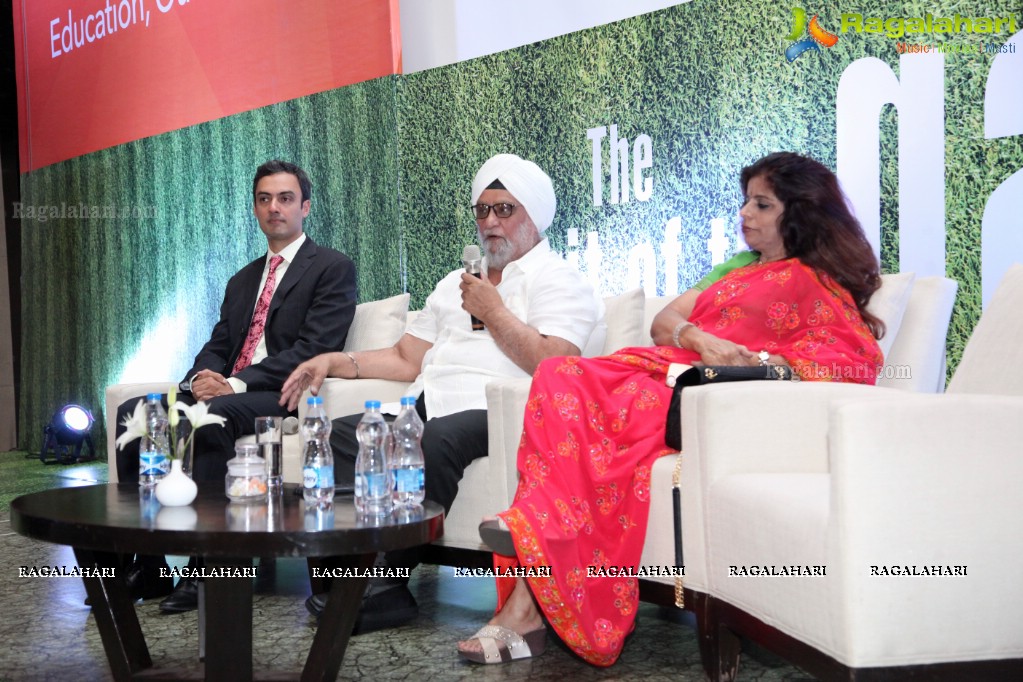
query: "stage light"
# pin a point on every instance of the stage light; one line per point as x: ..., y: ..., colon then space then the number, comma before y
x: 65, y: 435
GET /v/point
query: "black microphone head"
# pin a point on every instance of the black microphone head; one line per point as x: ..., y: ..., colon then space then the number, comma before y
x: 471, y: 253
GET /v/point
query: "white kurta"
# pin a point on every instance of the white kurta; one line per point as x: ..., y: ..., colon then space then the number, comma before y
x: 540, y: 288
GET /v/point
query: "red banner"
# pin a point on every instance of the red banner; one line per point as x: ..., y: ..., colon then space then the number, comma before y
x: 97, y: 73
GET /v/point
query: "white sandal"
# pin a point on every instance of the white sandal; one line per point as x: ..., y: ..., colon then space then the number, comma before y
x: 499, y: 644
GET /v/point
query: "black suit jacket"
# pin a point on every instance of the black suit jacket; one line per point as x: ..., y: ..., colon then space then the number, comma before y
x: 310, y: 313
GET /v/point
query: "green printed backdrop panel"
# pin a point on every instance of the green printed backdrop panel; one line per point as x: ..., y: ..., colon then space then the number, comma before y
x: 133, y: 297
x: 706, y: 81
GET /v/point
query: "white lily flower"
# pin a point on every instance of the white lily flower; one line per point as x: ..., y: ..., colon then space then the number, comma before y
x: 135, y: 425
x: 199, y: 414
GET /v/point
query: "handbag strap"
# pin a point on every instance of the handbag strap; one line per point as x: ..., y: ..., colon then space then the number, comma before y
x: 676, y: 502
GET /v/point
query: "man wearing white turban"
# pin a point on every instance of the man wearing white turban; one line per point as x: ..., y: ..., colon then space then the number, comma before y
x: 525, y: 180
x: 533, y: 306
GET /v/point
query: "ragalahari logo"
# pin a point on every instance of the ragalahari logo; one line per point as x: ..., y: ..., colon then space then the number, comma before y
x: 818, y: 36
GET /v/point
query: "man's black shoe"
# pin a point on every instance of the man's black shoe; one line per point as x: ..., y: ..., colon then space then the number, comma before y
x: 185, y: 597
x: 383, y: 606
x: 315, y: 604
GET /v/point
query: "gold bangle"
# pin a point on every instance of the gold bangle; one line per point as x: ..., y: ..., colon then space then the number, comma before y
x: 352, y: 358
x: 675, y: 335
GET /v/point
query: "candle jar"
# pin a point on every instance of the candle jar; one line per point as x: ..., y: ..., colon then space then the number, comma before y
x: 246, y: 479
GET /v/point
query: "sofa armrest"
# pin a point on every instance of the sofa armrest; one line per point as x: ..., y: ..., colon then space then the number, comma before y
x: 506, y: 407
x: 763, y: 426
x: 928, y: 475
x: 115, y: 395
x: 342, y: 397
x: 928, y: 480
x: 750, y: 427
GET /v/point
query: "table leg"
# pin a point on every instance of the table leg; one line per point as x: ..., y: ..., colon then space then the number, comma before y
x: 337, y: 619
x: 228, y: 620
x: 202, y: 620
x: 115, y: 615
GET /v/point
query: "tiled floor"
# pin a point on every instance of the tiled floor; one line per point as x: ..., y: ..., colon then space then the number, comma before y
x: 49, y: 634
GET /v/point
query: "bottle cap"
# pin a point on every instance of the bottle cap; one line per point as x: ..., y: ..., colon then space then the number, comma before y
x: 408, y: 400
x: 314, y: 400
x: 372, y: 404
x: 152, y: 396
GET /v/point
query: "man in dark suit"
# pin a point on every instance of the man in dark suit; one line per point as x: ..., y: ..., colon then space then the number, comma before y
x: 283, y: 308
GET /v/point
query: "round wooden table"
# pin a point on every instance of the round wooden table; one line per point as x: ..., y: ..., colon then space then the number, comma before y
x: 102, y: 521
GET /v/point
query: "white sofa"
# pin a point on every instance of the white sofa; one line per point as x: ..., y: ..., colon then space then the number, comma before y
x: 488, y: 484
x: 864, y: 481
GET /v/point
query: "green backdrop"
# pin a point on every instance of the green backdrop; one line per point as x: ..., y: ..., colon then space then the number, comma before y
x: 391, y: 162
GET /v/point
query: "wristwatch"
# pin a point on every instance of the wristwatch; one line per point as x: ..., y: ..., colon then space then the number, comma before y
x: 764, y: 357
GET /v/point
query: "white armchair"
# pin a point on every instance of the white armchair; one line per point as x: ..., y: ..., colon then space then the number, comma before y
x: 870, y: 484
x: 488, y: 484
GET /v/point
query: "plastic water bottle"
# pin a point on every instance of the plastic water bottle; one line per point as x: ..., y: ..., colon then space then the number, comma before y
x: 372, y: 467
x: 318, y: 467
x: 407, y: 467
x: 154, y: 447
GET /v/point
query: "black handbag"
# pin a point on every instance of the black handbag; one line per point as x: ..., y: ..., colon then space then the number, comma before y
x: 715, y: 374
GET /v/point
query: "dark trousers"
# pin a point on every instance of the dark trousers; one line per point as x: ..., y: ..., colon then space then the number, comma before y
x: 213, y: 445
x: 450, y: 444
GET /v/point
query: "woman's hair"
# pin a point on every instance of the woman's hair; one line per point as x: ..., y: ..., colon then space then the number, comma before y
x: 817, y: 227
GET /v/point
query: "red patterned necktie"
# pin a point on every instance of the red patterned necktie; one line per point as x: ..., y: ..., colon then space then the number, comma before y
x: 258, y: 318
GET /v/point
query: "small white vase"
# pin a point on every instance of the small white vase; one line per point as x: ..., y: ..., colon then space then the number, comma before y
x: 175, y: 489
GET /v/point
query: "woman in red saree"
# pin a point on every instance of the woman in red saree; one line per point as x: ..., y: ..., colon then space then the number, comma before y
x: 593, y: 427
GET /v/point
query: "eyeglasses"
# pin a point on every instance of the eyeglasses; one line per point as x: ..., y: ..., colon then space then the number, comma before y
x: 501, y: 210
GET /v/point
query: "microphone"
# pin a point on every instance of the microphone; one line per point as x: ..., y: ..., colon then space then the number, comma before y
x: 289, y: 426
x: 472, y: 260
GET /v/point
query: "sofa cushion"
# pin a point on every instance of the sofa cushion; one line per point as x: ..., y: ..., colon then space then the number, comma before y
x: 916, y: 361
x: 992, y: 361
x: 624, y: 316
x: 378, y: 324
x: 889, y: 305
